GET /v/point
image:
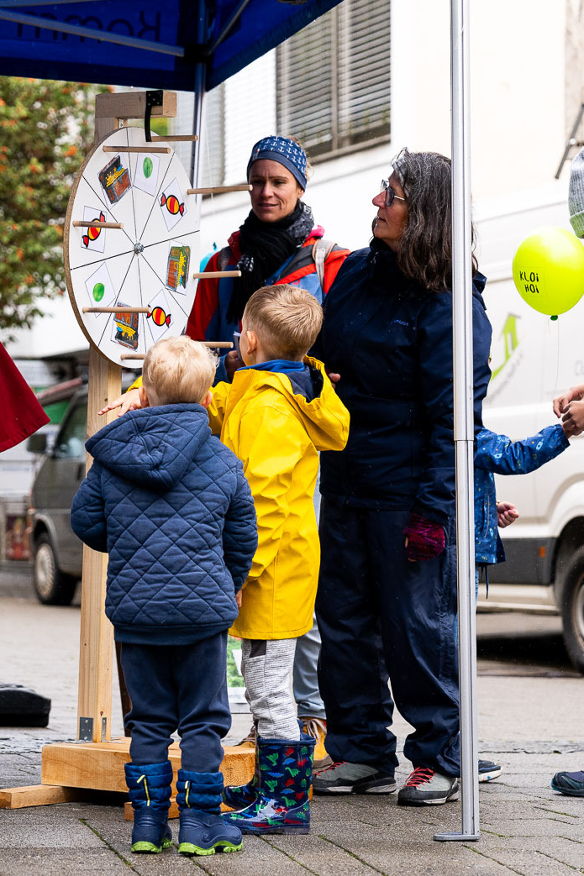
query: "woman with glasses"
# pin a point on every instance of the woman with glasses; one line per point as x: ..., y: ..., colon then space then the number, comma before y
x: 386, y: 604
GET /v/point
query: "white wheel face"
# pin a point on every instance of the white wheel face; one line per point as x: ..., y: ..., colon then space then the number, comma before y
x: 149, y: 263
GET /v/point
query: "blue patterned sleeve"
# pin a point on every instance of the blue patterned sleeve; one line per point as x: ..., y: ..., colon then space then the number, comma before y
x: 500, y: 455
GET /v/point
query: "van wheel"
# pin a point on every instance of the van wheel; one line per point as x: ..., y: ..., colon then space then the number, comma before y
x: 52, y: 586
x: 572, y: 608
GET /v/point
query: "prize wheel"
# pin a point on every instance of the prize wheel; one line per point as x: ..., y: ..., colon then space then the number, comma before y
x: 147, y: 263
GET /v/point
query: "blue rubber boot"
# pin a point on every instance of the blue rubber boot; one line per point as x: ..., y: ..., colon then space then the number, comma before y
x: 202, y: 830
x: 281, y: 805
x: 150, y: 789
x: 240, y: 796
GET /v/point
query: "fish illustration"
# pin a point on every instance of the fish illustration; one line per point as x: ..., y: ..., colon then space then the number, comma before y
x: 93, y: 233
x: 159, y: 316
x: 172, y: 204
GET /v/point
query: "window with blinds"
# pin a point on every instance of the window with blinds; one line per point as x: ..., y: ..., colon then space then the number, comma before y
x: 212, y: 142
x: 334, y: 78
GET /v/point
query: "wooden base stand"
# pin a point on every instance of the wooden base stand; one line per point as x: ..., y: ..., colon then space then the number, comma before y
x: 70, y: 767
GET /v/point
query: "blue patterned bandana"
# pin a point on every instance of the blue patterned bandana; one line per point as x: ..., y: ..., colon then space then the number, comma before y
x: 286, y: 152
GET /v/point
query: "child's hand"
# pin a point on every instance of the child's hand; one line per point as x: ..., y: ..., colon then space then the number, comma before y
x: 129, y: 401
x: 507, y: 514
x: 232, y: 363
x: 573, y: 419
x: 575, y: 393
x: 238, y: 598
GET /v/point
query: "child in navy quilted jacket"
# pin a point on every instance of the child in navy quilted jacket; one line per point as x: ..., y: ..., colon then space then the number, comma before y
x: 171, y: 505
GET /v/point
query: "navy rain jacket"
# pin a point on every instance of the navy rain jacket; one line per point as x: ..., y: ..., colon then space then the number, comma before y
x: 172, y: 507
x: 391, y: 342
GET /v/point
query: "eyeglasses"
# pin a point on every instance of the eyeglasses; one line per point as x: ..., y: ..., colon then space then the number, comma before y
x: 390, y: 195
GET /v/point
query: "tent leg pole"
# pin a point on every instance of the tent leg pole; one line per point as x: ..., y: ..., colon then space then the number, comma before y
x: 464, y: 417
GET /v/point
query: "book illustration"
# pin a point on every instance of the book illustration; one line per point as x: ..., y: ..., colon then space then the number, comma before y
x: 115, y: 179
x: 177, y: 269
x: 125, y: 328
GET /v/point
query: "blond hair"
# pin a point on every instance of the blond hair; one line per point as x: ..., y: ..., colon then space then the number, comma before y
x: 179, y: 370
x: 286, y: 319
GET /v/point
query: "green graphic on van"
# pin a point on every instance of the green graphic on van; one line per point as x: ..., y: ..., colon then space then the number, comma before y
x: 509, y: 334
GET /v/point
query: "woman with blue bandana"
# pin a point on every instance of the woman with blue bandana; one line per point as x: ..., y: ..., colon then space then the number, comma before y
x: 277, y: 243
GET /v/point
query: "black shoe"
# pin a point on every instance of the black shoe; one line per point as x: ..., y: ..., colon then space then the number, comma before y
x: 571, y: 784
x: 352, y: 778
x: 489, y: 770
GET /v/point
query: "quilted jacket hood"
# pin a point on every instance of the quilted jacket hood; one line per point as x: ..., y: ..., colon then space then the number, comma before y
x: 152, y: 447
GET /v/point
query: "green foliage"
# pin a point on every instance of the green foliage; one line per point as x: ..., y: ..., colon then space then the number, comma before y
x: 46, y: 129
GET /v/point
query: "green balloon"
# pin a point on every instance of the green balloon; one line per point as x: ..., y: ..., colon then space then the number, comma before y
x: 147, y: 167
x: 98, y: 291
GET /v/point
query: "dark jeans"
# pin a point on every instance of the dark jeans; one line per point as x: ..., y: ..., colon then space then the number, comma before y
x: 178, y: 687
x: 381, y: 616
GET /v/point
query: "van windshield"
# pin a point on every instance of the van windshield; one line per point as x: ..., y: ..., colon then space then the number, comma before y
x: 71, y: 441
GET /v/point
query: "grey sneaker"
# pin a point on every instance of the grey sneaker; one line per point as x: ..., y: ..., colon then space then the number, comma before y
x: 352, y: 778
x: 427, y: 786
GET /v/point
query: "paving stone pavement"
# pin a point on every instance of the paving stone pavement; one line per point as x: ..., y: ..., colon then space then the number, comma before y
x: 533, y: 724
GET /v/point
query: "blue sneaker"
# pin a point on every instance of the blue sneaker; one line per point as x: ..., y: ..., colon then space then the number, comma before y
x: 571, y: 784
x: 489, y: 770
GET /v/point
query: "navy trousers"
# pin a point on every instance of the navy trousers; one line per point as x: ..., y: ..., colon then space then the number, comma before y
x: 382, y: 617
x: 178, y: 687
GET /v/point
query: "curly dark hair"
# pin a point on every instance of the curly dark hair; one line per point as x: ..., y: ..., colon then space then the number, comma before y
x: 425, y: 248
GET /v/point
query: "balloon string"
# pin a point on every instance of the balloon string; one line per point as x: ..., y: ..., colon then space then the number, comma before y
x: 555, y: 325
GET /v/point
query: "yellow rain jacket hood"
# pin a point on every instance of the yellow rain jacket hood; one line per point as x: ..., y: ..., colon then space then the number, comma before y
x: 277, y: 432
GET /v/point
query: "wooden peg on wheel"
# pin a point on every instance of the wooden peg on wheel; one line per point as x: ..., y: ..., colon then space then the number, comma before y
x: 218, y: 190
x: 96, y: 224
x: 213, y: 275
x: 149, y: 149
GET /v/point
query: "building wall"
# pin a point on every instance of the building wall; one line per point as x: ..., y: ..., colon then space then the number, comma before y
x: 527, y: 81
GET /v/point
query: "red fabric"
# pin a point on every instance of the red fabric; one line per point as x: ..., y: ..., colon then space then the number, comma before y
x: 20, y: 412
x: 425, y: 538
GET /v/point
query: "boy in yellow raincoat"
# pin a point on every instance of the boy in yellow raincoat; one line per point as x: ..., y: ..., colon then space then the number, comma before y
x: 278, y: 413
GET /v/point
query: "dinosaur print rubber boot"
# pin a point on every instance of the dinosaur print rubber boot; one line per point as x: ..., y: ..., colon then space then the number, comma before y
x: 282, y: 804
x: 240, y: 796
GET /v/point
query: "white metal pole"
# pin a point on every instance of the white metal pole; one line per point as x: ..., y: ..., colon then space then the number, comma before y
x: 464, y: 418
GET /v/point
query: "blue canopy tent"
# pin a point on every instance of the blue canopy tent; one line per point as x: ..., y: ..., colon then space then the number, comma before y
x: 150, y: 43
x: 194, y: 45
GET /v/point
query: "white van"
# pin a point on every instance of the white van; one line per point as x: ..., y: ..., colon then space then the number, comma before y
x: 534, y: 359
